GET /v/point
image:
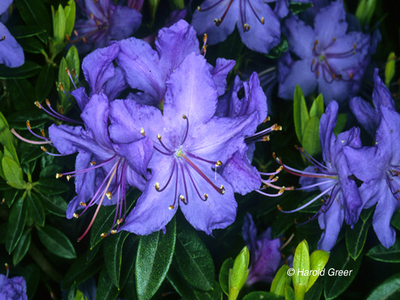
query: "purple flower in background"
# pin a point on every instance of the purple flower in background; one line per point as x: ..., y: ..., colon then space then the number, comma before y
x: 330, y: 57
x: 379, y: 169
x: 333, y: 179
x: 264, y: 252
x: 11, y: 53
x: 12, y: 288
x: 366, y: 115
x: 148, y: 70
x: 104, y: 22
x: 190, y: 145
x: 258, y: 25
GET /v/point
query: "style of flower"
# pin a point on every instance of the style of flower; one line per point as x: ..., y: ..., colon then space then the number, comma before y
x: 368, y: 117
x: 379, y: 169
x: 12, y: 288
x: 258, y: 25
x: 147, y: 70
x: 342, y: 200
x: 190, y: 145
x: 104, y: 22
x: 265, y: 255
x: 330, y: 57
x: 11, y: 53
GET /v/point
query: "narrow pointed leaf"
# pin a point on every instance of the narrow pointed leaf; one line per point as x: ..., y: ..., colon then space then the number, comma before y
x: 16, y: 224
x: 300, y: 113
x: 56, y: 242
x: 105, y: 290
x: 387, y: 290
x: 22, y: 247
x: 214, y: 294
x: 380, y: 253
x: 113, y: 255
x: 356, y: 237
x: 224, y: 275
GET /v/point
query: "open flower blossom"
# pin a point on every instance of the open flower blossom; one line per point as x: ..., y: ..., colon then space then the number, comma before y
x: 264, y: 252
x: 11, y: 53
x: 190, y: 146
x: 12, y: 288
x: 379, y: 166
x: 104, y: 22
x: 342, y: 201
x: 258, y: 25
x: 330, y: 57
x: 147, y: 70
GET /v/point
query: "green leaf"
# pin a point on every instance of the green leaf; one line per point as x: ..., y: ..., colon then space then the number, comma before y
x: 32, y: 45
x: 277, y: 51
x: 105, y: 290
x: 194, y: 259
x: 153, y: 5
x: 365, y: 11
x: 340, y: 272
x: 340, y: 123
x: 177, y: 4
x: 81, y: 270
x: 72, y: 59
x: 22, y: 32
x: 22, y: 247
x: 16, y: 224
x: 390, y: 68
x: 289, y: 293
x: 154, y: 257
x: 28, y: 69
x: 318, y: 260
x: 54, y: 204
x: 180, y: 284
x: 70, y: 17
x: 35, y: 14
x: 298, y: 7
x: 35, y: 209
x: 356, y: 237
x: 45, y: 82
x: 380, y: 253
x: 58, y: 23
x: 311, y: 142
x: 21, y: 92
x: 7, y: 139
x: 113, y: 255
x: 52, y: 186
x: 239, y: 273
x: 281, y: 280
x: 56, y: 242
x: 31, y: 274
x: 261, y: 296
x: 387, y: 290
x: 300, y: 113
x: 13, y: 173
x: 214, y: 294
x: 301, y: 264
x: 317, y: 108
x: 224, y: 275
x: 314, y: 293
x: 128, y: 258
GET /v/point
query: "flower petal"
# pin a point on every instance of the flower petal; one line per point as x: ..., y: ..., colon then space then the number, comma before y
x: 301, y: 37
x: 124, y: 21
x: 330, y: 22
x: 331, y: 221
x: 11, y: 53
x: 4, y: 5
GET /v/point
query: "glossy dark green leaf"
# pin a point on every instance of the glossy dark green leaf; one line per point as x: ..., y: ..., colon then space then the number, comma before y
x: 35, y: 14
x: 30, y: 153
x: 262, y: 296
x: 22, y: 247
x: 72, y: 59
x: 52, y: 186
x: 45, y: 82
x: 277, y: 51
x: 113, y: 255
x: 380, y: 253
x: 128, y: 258
x: 81, y: 270
x: 29, y: 168
x: 3, y: 229
x: 36, y: 116
x: 16, y: 224
x: 356, y: 237
x: 28, y: 69
x: 10, y: 195
x: 214, y: 294
x: 314, y: 293
x: 194, y: 259
x: 105, y: 290
x: 298, y: 7
x: 32, y: 45
x: 154, y: 256
x: 56, y: 242
x: 31, y: 274
x: 180, y: 284
x: 395, y: 222
x: 340, y: 261
x: 54, y: 204
x: 13, y: 173
x: 22, y: 32
x: 35, y: 209
x: 387, y: 290
x: 105, y: 218
x: 50, y: 171
x: 224, y: 275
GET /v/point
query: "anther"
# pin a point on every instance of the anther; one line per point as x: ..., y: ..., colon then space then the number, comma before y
x: 61, y: 109
x: 67, y: 36
x: 2, y: 201
x: 217, y: 22
x: 43, y: 148
x: 182, y: 198
x: 103, y: 235
x: 266, y: 119
x: 119, y: 221
x: 84, y: 40
x: 97, y: 23
x: 61, y: 87
x: 198, y: 8
x: 109, y: 195
x: 266, y: 138
x: 157, y: 186
x: 206, y: 196
x: 76, y: 215
x: 42, y: 132
x: 279, y: 207
x: 219, y: 163
x: 59, y: 175
x: 82, y: 204
x: 171, y: 207
x: 3, y: 38
x: 38, y: 104
x: 262, y: 20
x: 114, y: 231
x: 92, y: 16
x: 28, y: 124
x: 159, y: 137
x: 222, y: 189
x: 68, y: 177
x: 184, y: 117
x: 92, y: 163
x: 142, y: 131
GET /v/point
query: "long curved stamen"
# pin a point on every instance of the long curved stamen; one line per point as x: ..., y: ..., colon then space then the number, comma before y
x: 183, y: 199
x: 187, y: 129
x: 157, y: 186
x: 194, y: 184
x: 56, y: 114
x: 162, y: 144
x: 273, y: 173
x: 216, y: 163
x: 43, y: 137
x: 29, y: 141
x: 210, y: 7
x: 83, y: 171
x: 219, y: 21
x: 261, y: 20
x: 311, y: 159
x: 314, y: 185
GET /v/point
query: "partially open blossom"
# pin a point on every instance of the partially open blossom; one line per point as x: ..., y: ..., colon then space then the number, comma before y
x: 104, y: 22
x: 11, y: 53
x: 257, y: 23
x: 329, y: 56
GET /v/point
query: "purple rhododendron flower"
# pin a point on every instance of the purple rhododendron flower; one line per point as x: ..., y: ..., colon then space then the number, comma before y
x: 330, y: 57
x: 258, y: 24
x: 379, y: 168
x: 265, y: 255
x: 190, y: 145
x: 333, y: 179
x: 11, y: 53
x: 12, y: 288
x: 368, y: 117
x: 148, y: 70
x: 105, y: 22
